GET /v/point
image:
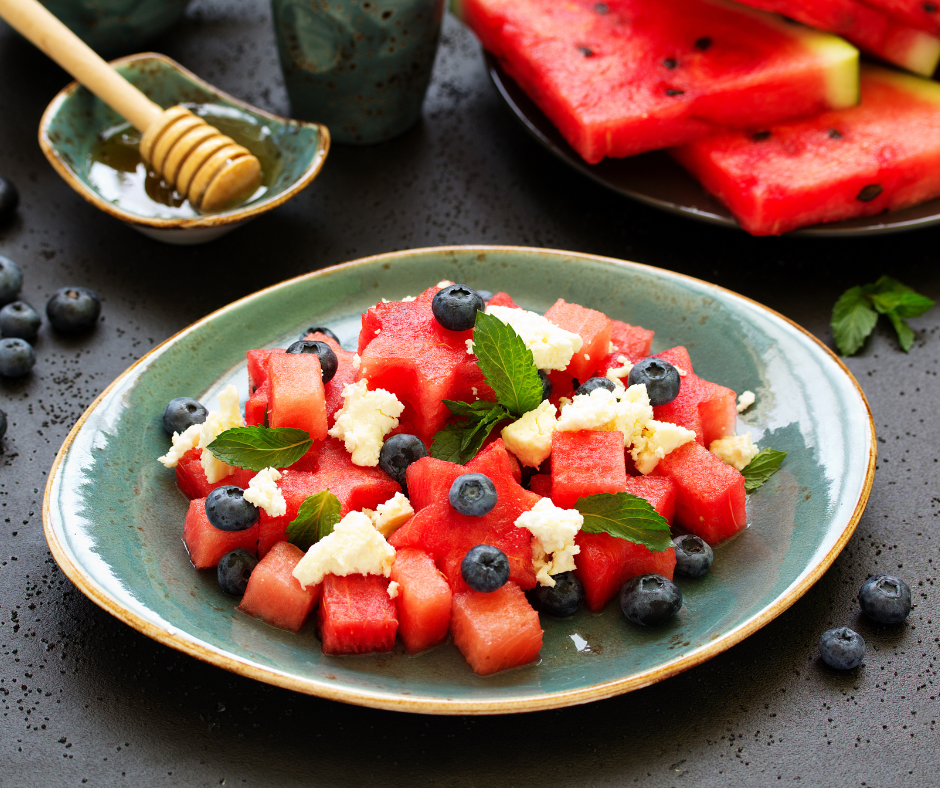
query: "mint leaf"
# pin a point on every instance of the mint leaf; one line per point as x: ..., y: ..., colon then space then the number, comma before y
x: 761, y: 468
x: 257, y: 448
x: 459, y: 442
x: 446, y: 443
x: 856, y: 312
x: 625, y: 516
x: 903, y: 330
x: 316, y: 518
x: 853, y: 319
x: 507, y: 364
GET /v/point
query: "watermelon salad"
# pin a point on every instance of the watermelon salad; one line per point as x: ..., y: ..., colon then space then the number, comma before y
x: 777, y: 120
x: 472, y: 470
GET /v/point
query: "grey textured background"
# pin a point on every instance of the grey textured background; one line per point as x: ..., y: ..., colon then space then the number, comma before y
x: 86, y: 700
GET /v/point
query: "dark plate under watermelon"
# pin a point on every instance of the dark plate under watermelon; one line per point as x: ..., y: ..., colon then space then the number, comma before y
x: 655, y: 179
x: 113, y: 516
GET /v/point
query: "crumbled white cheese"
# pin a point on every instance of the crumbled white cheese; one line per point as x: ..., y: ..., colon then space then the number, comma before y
x: 587, y: 357
x: 264, y: 493
x: 552, y: 347
x: 681, y: 371
x: 735, y: 450
x: 745, y: 400
x: 445, y: 283
x: 215, y: 424
x: 530, y: 437
x: 473, y: 390
x: 388, y: 517
x: 408, y: 299
x: 554, y: 530
x: 611, y: 347
x: 354, y: 548
x: 182, y: 443
x: 364, y: 420
x: 469, y: 344
x: 356, y: 361
x: 393, y: 589
x: 617, y: 374
x: 655, y: 441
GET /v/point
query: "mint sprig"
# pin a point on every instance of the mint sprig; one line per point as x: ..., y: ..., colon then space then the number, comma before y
x: 459, y: 442
x: 257, y: 448
x: 625, y: 516
x: 764, y: 465
x: 856, y: 312
x: 316, y: 518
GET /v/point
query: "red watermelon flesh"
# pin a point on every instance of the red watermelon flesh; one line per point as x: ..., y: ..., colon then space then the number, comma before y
x: 502, y: 299
x: 191, y: 478
x: 634, y: 342
x: 711, y: 500
x: 594, y: 329
x: 345, y: 374
x: 605, y: 563
x: 423, y: 602
x: 586, y: 462
x: 626, y: 76
x: 563, y: 385
x: 256, y: 408
x: 206, y: 543
x: 871, y: 29
x: 274, y: 595
x: 356, y: 615
x: 296, y: 397
x: 881, y: 155
x: 429, y: 480
x: 496, y: 631
x: 404, y: 350
x: 541, y: 484
x: 258, y: 366
x: 917, y: 13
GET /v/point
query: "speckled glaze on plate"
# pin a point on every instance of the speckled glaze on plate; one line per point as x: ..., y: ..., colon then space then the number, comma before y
x: 113, y: 516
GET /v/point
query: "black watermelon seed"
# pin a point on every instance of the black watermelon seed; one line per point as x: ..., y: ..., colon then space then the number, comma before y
x: 930, y: 8
x: 869, y: 192
x: 835, y: 134
x: 586, y: 51
x: 601, y: 8
x: 703, y: 43
x: 760, y: 136
x: 670, y: 62
x: 674, y: 92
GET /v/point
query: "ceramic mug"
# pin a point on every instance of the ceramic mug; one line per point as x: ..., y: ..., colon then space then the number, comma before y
x: 116, y: 27
x: 361, y: 67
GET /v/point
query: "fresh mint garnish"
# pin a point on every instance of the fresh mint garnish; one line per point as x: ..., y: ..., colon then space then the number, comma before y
x: 257, y: 448
x: 625, y: 516
x: 856, y: 312
x: 764, y: 465
x: 316, y: 518
x: 510, y: 371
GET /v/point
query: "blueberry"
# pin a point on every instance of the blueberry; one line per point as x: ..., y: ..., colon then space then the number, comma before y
x: 660, y: 377
x: 9, y: 199
x: 228, y: 510
x: 842, y: 648
x: 650, y: 599
x: 320, y: 330
x: 11, y: 280
x: 486, y: 295
x: 73, y: 310
x: 16, y: 357
x: 328, y: 360
x: 473, y: 494
x: 561, y: 600
x: 546, y: 384
x: 591, y: 384
x: 235, y: 570
x: 885, y: 599
x: 19, y: 319
x: 3, y: 424
x: 456, y: 306
x: 181, y: 413
x: 693, y: 556
x: 398, y: 452
x: 485, y: 568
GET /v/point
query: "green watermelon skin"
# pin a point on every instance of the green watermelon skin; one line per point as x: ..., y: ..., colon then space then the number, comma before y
x: 627, y: 76
x: 871, y: 29
x: 882, y: 155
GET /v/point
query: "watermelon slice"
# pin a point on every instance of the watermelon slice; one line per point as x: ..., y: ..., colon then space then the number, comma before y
x: 881, y: 155
x: 356, y: 615
x: 274, y: 595
x: 206, y: 543
x: 916, y: 13
x: 605, y: 563
x: 423, y: 602
x: 296, y: 397
x: 192, y: 481
x: 626, y: 76
x: 594, y: 329
x: 586, y: 462
x: 634, y: 342
x: 871, y: 29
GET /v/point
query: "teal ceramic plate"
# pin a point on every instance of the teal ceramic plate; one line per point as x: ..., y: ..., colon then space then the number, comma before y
x: 113, y: 516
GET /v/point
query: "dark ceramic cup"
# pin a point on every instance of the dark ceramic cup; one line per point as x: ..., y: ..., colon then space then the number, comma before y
x: 361, y: 67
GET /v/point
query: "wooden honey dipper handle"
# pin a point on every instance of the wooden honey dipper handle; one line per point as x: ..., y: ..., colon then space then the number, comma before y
x: 212, y: 170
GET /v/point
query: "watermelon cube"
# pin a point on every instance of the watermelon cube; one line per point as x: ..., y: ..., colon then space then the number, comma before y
x: 634, y: 342
x: 274, y: 595
x: 191, y: 478
x: 256, y: 408
x: 356, y: 615
x: 423, y: 602
x: 206, y: 543
x: 496, y: 631
x: 585, y: 463
x: 594, y: 329
x: 296, y: 398
x: 345, y: 373
x: 502, y: 299
x: 605, y: 563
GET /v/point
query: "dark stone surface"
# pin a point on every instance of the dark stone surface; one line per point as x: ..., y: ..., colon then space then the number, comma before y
x: 85, y: 699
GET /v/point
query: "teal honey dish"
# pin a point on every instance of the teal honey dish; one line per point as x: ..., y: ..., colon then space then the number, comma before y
x: 113, y: 516
x: 76, y: 123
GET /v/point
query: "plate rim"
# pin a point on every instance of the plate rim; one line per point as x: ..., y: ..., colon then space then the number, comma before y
x: 192, y: 646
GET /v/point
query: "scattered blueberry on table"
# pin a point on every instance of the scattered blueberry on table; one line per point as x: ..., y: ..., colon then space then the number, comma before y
x: 9, y: 199
x: 842, y: 648
x: 73, y: 310
x: 885, y: 599
x: 3, y: 424
x: 17, y: 357
x: 19, y: 319
x: 11, y: 280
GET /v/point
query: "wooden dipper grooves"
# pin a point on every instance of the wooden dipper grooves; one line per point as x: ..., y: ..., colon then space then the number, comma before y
x: 210, y: 169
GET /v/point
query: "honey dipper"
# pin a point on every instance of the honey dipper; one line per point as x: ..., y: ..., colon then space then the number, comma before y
x: 210, y: 169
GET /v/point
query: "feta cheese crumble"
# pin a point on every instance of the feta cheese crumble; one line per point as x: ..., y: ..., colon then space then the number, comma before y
x: 388, y: 517
x: 554, y: 529
x: 745, y: 400
x: 530, y: 437
x: 393, y: 589
x: 735, y: 450
x: 617, y: 374
x: 356, y: 361
x: 264, y: 493
x: 364, y: 420
x: 182, y: 443
x: 552, y: 347
x: 354, y: 548
x: 655, y: 441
